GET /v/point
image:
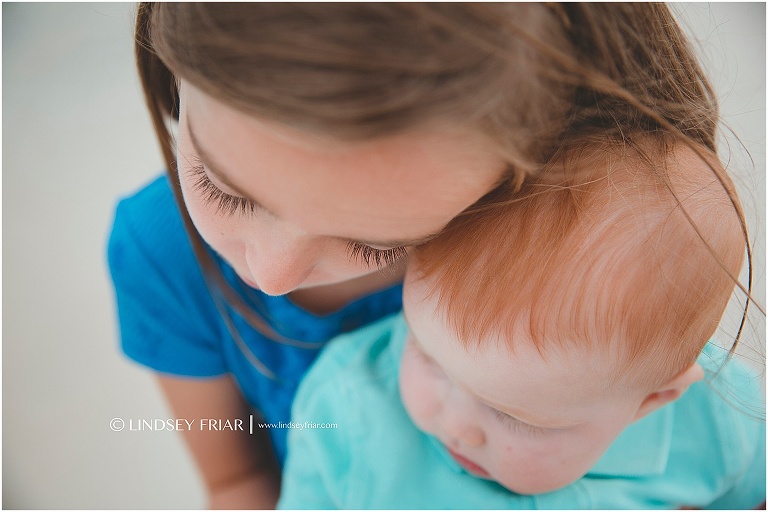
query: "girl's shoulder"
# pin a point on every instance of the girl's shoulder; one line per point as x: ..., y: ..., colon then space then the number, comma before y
x: 150, y: 214
x: 148, y: 237
x: 168, y: 321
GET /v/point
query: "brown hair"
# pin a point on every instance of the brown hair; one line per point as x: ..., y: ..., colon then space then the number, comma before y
x: 539, y: 80
x: 603, y: 259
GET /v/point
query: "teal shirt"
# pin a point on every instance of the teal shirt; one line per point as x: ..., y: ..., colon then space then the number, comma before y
x: 359, y: 450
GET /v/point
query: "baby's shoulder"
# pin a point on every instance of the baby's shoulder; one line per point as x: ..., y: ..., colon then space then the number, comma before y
x: 358, y: 356
x: 727, y: 409
x: 357, y: 364
x: 721, y: 432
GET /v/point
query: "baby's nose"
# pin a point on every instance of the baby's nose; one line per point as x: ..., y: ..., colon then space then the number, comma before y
x: 462, y: 430
x: 472, y: 436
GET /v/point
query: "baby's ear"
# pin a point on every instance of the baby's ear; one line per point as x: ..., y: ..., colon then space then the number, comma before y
x: 670, y: 391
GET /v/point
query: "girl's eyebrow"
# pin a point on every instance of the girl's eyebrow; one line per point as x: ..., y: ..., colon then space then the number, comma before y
x: 215, y: 170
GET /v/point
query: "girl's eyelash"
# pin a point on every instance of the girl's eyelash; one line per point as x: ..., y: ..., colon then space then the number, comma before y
x: 380, y: 258
x: 225, y: 203
x: 516, y: 425
x: 229, y: 205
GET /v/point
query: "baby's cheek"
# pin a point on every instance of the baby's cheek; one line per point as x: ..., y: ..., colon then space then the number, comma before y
x: 536, y: 465
x: 419, y: 395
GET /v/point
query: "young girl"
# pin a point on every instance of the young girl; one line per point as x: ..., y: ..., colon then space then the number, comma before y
x: 317, y: 144
x: 546, y: 358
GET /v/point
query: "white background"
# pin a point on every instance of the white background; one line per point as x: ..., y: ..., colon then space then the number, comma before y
x: 76, y: 136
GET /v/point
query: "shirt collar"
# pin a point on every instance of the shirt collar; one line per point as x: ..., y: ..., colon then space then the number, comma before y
x: 642, y: 449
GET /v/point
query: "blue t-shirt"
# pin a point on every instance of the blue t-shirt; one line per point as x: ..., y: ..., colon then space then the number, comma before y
x: 169, y: 322
x: 353, y: 445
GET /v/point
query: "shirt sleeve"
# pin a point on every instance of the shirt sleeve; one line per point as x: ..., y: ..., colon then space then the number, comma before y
x: 167, y: 317
x: 318, y: 466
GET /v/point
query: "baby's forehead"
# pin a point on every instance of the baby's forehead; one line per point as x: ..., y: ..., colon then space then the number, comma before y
x: 499, y: 352
x: 561, y: 384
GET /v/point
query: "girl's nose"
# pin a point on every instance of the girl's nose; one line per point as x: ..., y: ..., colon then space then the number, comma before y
x: 280, y: 261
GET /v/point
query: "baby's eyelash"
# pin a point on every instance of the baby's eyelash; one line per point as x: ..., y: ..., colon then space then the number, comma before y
x: 225, y: 203
x: 516, y: 425
x: 380, y: 258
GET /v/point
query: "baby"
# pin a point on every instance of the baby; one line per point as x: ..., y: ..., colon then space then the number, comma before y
x: 551, y: 355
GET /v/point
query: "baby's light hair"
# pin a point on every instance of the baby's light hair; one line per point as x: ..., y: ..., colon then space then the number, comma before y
x: 602, y: 257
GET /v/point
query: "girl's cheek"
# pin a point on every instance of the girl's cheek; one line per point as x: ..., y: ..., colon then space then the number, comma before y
x: 213, y: 227
x: 195, y: 204
x: 205, y: 223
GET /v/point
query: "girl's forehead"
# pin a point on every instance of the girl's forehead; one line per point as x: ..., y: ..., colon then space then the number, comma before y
x: 399, y: 187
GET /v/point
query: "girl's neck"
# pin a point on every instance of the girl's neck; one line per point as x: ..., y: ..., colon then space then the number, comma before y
x: 326, y: 299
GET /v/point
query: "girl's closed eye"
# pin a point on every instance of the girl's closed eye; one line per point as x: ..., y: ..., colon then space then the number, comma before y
x: 225, y: 203
x: 516, y: 425
x: 229, y: 205
x: 379, y: 257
